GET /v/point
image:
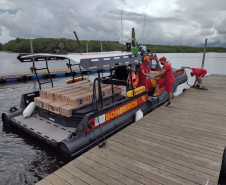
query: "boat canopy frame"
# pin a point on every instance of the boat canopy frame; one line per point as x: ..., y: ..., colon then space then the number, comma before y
x: 109, y: 62
x: 88, y: 64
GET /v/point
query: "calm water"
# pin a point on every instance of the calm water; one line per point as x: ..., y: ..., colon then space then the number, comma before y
x: 25, y: 160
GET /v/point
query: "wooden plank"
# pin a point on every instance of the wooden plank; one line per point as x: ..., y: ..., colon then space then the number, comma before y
x: 95, y: 173
x: 43, y: 182
x: 164, y: 149
x: 139, y: 167
x: 179, y: 134
x: 186, y: 132
x: 198, y: 132
x: 211, y: 152
x: 196, y: 121
x: 151, y: 161
x: 176, y: 132
x: 186, y: 151
x: 68, y: 177
x: 54, y: 179
x: 167, y: 156
x: 193, y: 131
x: 82, y: 175
x: 107, y: 171
x: 162, y: 162
x: 121, y: 169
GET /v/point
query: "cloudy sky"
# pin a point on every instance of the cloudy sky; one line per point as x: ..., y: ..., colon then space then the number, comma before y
x: 167, y: 22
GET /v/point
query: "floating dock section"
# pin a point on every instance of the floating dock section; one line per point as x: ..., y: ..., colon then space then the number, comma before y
x: 183, y: 144
x: 25, y: 76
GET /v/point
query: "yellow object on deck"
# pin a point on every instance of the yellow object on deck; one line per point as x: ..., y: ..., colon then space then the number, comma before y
x: 153, y: 82
x: 75, y: 80
x: 136, y: 91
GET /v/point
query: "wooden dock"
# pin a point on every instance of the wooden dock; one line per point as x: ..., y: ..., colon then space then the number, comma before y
x: 182, y: 144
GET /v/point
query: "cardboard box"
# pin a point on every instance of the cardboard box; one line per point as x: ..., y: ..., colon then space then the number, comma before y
x: 59, y: 95
x: 55, y: 106
x: 80, y: 100
x: 64, y: 96
x: 66, y: 110
x: 67, y: 98
x: 106, y: 91
x: 42, y: 102
x: 154, y: 73
x: 90, y: 88
x: 37, y: 101
x: 55, y: 94
x: 121, y: 90
x: 44, y: 93
x: 75, y: 88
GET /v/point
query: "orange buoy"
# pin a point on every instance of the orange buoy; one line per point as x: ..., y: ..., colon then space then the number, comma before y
x: 133, y: 83
x: 75, y: 80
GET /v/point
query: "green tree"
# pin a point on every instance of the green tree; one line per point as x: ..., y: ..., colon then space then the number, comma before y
x: 1, y: 46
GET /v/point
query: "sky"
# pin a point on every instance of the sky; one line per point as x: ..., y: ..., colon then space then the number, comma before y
x: 161, y: 22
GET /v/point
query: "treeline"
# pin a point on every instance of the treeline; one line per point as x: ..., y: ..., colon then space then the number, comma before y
x: 47, y: 45
x: 1, y: 46
x: 182, y: 49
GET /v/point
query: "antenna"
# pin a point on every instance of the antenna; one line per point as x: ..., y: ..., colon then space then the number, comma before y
x: 122, y: 29
x: 143, y: 29
x: 80, y: 46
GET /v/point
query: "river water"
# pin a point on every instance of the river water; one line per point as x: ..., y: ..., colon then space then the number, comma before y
x: 25, y: 160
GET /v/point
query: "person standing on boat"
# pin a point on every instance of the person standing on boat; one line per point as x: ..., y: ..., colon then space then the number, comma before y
x: 144, y: 70
x: 167, y: 81
x: 199, y: 74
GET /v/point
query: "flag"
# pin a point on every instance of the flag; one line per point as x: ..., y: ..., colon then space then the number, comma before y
x: 134, y: 48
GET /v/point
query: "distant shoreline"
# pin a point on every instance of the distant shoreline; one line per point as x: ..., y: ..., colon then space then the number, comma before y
x: 46, y: 45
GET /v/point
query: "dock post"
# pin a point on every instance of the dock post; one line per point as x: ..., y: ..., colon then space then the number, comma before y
x: 31, y: 46
x: 204, y: 53
x: 87, y: 47
x: 101, y: 46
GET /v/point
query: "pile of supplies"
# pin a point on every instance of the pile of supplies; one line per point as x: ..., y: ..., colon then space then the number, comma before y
x: 63, y: 99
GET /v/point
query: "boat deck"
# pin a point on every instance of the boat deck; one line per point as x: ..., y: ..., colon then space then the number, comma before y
x: 46, y: 129
x: 179, y: 145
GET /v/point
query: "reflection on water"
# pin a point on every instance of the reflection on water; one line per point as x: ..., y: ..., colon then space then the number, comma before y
x: 25, y: 160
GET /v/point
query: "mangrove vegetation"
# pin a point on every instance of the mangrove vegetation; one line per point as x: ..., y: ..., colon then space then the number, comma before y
x: 46, y: 45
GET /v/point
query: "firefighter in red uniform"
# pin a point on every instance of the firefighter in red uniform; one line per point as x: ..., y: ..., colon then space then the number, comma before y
x: 144, y: 70
x: 167, y: 81
x: 199, y: 74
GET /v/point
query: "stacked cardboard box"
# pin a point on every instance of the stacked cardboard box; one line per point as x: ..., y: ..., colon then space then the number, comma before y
x: 55, y: 106
x: 66, y: 110
x: 121, y: 90
x: 42, y: 102
x: 49, y: 93
x: 63, y: 99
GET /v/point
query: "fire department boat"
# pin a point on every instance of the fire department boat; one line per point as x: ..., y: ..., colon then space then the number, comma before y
x: 90, y: 124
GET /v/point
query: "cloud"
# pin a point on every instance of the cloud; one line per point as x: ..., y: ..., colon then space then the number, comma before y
x: 173, y: 22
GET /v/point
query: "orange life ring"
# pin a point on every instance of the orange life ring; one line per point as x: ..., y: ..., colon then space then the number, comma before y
x: 134, y: 83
